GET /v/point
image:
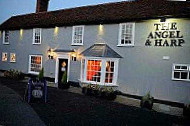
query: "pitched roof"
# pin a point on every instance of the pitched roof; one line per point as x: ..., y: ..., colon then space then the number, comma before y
x: 100, y: 50
x: 103, y: 13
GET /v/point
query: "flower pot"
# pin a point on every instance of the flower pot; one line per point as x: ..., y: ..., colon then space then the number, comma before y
x: 89, y: 91
x: 84, y: 90
x: 111, y: 96
x: 186, y: 111
x: 103, y: 94
x: 63, y: 86
x: 96, y: 93
x: 146, y: 104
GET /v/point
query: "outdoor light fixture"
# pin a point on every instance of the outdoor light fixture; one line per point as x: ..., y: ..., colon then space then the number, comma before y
x: 50, y: 53
x: 163, y: 19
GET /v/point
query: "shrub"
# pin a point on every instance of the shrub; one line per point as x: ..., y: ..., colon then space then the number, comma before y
x: 147, y: 101
x: 64, y: 78
x: 186, y: 110
x: 14, y: 74
x: 63, y: 84
x: 41, y: 74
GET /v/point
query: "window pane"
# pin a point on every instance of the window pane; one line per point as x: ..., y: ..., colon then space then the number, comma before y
x: 126, y: 33
x: 183, y: 75
x: 78, y: 31
x: 184, y: 67
x: 35, y: 65
x: 177, y: 67
x: 37, y: 35
x: 13, y: 57
x: 177, y: 75
x: 109, y: 72
x: 94, y: 70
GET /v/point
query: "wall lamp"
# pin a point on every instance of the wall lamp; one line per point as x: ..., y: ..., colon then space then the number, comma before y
x: 50, y: 53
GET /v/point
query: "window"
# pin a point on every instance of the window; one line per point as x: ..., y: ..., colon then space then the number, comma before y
x: 78, y: 32
x: 5, y: 37
x: 99, y: 71
x: 4, y: 56
x: 181, y: 72
x: 126, y: 34
x: 109, y: 71
x: 73, y: 58
x: 35, y: 64
x: 37, y: 36
x: 12, y: 57
x: 93, y: 70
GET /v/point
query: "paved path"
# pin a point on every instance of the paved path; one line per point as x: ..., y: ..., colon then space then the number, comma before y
x: 16, y: 112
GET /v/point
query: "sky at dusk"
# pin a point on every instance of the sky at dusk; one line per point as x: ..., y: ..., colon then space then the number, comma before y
x: 16, y: 7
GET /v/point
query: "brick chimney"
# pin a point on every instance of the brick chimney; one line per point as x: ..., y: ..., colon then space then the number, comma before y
x: 42, y: 5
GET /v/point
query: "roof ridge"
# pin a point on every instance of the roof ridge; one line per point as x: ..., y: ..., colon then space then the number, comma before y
x: 65, y: 9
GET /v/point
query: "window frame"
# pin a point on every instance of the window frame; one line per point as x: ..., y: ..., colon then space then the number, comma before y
x: 133, y: 34
x: 29, y: 64
x: 10, y: 58
x: 6, y: 43
x: 73, y: 35
x: 34, y: 31
x: 103, y: 71
x: 181, y: 70
x: 2, y: 57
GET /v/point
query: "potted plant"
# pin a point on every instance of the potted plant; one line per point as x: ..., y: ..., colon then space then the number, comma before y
x: 84, y: 89
x: 111, y: 94
x: 186, y: 110
x: 64, y: 84
x: 41, y: 75
x: 96, y: 90
x: 147, y: 101
x: 104, y: 92
x: 89, y: 90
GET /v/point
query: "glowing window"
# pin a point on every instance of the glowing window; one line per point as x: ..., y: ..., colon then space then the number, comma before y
x: 126, y: 36
x: 78, y: 32
x: 4, y: 56
x: 12, y: 57
x: 109, y: 72
x: 94, y: 70
x: 37, y: 36
x: 35, y: 64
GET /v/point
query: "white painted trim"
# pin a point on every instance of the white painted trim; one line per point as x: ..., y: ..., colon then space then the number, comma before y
x: 33, y: 42
x: 2, y: 56
x: 62, y: 56
x: 29, y: 64
x: 133, y: 35
x: 73, y: 30
x: 5, y: 43
x: 10, y: 58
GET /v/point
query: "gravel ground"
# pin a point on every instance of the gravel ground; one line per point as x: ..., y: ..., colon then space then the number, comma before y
x: 72, y: 109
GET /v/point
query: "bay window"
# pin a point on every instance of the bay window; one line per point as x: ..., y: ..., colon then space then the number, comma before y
x: 102, y: 71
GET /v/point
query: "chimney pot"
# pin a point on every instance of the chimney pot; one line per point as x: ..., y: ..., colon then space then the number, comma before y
x: 42, y: 6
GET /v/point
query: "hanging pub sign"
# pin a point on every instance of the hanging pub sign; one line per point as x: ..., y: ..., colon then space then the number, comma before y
x: 37, y: 90
x: 165, y: 35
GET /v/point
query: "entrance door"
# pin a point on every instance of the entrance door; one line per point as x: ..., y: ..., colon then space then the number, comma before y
x: 63, y: 67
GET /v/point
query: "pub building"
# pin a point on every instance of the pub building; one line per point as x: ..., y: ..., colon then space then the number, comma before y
x: 135, y: 46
